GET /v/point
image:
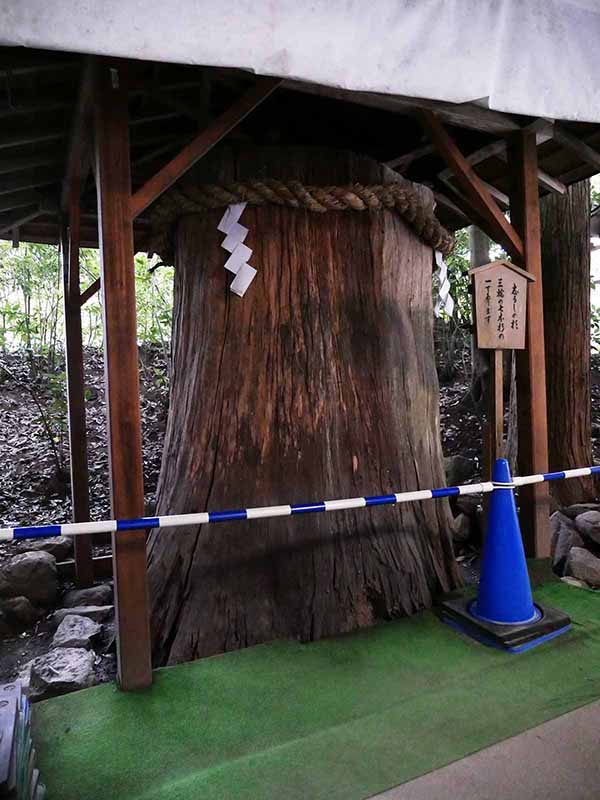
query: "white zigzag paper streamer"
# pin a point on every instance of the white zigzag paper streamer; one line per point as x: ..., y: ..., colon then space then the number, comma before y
x: 444, y: 302
x: 239, y: 252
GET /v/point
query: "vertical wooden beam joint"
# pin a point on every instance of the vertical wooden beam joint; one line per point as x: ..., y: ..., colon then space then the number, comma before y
x: 80, y: 499
x: 531, y: 366
x: 113, y: 182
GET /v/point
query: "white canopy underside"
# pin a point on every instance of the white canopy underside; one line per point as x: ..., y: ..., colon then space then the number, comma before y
x: 534, y: 57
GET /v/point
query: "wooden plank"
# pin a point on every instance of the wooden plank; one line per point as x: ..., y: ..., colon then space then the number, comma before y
x: 89, y: 292
x: 199, y: 146
x: 474, y: 215
x: 463, y: 115
x: 473, y: 187
x: 18, y: 218
x: 18, y: 200
x: 402, y: 163
x: 586, y: 153
x: 102, y: 566
x: 531, y: 366
x: 80, y: 493
x: 41, y: 177
x: 496, y: 410
x: 113, y: 182
x: 23, y: 163
x: 80, y: 131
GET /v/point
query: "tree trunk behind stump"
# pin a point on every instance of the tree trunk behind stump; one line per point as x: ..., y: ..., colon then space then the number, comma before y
x: 320, y: 383
x: 565, y: 224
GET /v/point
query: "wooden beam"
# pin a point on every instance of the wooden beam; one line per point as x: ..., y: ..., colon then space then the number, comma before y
x: 41, y: 177
x: 18, y: 200
x: 102, y: 566
x: 498, y: 150
x: 18, y: 218
x: 577, y: 146
x: 80, y: 132
x: 403, y: 162
x: 443, y: 200
x: 91, y: 290
x: 463, y: 115
x: 31, y: 136
x: 199, y: 146
x: 80, y: 493
x: 473, y: 187
x: 22, y: 163
x: 113, y: 181
x: 531, y: 366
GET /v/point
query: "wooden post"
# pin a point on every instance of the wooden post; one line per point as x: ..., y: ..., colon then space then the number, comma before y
x: 113, y: 182
x: 496, y: 411
x: 80, y: 497
x: 531, y: 367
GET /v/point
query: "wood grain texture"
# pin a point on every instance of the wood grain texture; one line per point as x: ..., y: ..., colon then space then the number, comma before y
x: 566, y: 262
x: 319, y: 383
x: 122, y: 378
x: 472, y: 186
x: 80, y: 492
x: 531, y: 364
x: 199, y: 146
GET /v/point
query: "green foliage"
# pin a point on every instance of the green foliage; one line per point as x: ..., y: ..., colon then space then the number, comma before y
x: 31, y: 300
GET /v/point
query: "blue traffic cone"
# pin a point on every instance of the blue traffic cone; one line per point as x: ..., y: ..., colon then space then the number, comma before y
x: 503, y: 614
x: 504, y: 591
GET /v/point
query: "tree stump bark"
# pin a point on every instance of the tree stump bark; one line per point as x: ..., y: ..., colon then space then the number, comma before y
x: 320, y: 383
x: 565, y: 222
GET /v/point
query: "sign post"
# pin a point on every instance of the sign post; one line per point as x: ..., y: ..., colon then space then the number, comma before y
x: 500, y: 296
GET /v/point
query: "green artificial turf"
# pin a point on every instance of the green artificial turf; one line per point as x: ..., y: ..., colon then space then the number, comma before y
x: 342, y: 718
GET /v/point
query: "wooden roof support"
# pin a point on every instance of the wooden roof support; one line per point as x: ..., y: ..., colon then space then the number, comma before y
x: 22, y: 163
x: 80, y: 133
x: 403, y: 162
x: 80, y: 492
x: 113, y: 184
x: 42, y: 177
x: 201, y: 144
x: 577, y: 146
x: 473, y: 188
x: 531, y: 366
x: 543, y: 130
x: 18, y: 218
x: 89, y: 292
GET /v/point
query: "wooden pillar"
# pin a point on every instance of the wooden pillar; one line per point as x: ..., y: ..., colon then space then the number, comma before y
x: 113, y: 181
x: 531, y: 367
x: 80, y: 496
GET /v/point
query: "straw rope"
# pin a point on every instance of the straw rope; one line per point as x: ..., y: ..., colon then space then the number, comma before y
x: 181, y: 201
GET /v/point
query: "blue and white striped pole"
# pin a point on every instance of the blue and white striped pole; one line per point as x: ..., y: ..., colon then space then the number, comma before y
x: 264, y: 512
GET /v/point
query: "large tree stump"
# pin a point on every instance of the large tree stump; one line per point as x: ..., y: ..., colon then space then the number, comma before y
x: 319, y: 383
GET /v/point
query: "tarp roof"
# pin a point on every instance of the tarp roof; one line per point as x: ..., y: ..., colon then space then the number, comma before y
x: 534, y: 57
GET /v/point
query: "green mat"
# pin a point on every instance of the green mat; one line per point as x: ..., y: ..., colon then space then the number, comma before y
x: 342, y: 718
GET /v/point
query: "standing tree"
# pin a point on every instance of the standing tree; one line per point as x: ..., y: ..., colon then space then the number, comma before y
x: 319, y: 383
x: 565, y: 223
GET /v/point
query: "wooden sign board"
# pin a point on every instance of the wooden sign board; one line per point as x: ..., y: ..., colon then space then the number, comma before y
x: 500, y: 293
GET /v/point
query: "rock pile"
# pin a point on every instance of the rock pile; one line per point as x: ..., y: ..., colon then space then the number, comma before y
x: 576, y: 543
x: 84, y: 634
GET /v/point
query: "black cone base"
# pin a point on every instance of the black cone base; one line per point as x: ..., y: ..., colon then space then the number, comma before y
x: 513, y: 638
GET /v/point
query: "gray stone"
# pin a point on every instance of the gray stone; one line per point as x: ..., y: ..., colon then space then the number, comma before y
x: 588, y: 524
x: 564, y: 537
x: 95, y: 613
x: 63, y: 670
x: 76, y: 631
x: 458, y: 469
x: 584, y: 565
x: 100, y: 595
x: 5, y: 628
x: 32, y: 575
x: 462, y: 528
x: 60, y: 547
x: 20, y: 612
x: 579, y: 508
